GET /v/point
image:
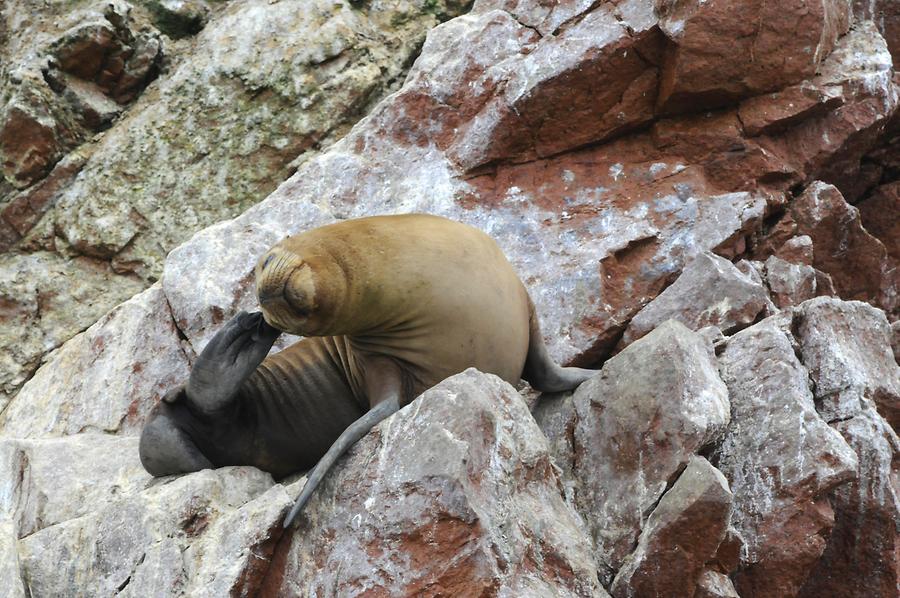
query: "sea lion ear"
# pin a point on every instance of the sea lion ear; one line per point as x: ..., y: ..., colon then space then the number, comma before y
x: 174, y: 395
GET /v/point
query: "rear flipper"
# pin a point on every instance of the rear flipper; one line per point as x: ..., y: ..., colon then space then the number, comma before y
x: 165, y: 448
x: 540, y: 371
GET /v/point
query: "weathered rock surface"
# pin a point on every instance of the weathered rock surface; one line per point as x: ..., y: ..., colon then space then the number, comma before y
x: 605, y: 146
x: 878, y: 213
x: 107, y: 378
x: 455, y: 495
x: 847, y: 348
x: 639, y: 422
x: 692, y: 515
x: 40, y: 478
x: 790, y: 284
x: 861, y: 558
x: 137, y: 544
x: 855, y: 260
x: 216, y: 134
x: 709, y: 292
x: 781, y: 460
x: 723, y: 51
x: 30, y: 291
x: 9, y: 561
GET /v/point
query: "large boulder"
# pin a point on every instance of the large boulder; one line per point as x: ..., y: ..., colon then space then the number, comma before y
x: 455, y: 495
x: 175, y: 538
x: 639, y: 422
x: 780, y: 458
x: 710, y: 291
x: 107, y: 378
x: 721, y: 51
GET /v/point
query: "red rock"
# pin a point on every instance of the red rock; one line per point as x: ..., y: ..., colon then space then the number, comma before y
x: 886, y: 15
x: 842, y: 248
x: 433, y: 504
x: 83, y: 50
x: 796, y: 250
x: 723, y: 50
x: 585, y: 85
x: 30, y: 139
x: 829, y: 147
x: 775, y: 112
x: 709, y: 292
x: 862, y: 558
x: 681, y: 534
x: 880, y: 215
x: 25, y: 209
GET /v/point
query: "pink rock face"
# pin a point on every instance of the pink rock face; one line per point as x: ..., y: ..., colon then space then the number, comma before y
x: 886, y: 15
x: 722, y: 50
x: 30, y: 140
x: 789, y: 284
x: 709, y: 292
x: 880, y: 214
x: 639, y: 422
x: 455, y: 495
x: 781, y: 509
x: 116, y: 383
x: 847, y: 347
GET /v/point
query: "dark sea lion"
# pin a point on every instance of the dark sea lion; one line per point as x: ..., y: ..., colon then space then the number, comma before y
x: 389, y: 306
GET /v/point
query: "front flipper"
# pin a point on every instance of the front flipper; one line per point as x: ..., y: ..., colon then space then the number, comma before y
x: 228, y: 360
x: 384, y: 388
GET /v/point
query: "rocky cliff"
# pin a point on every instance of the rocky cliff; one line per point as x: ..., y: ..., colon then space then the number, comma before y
x: 703, y: 198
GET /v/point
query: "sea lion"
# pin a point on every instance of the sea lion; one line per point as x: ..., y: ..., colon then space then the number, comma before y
x: 389, y: 306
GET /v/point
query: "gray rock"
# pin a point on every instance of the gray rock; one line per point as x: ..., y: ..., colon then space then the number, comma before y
x: 457, y: 491
x: 38, y: 317
x: 847, y: 347
x: 895, y: 340
x: 142, y: 538
x: 681, y: 535
x: 107, y: 378
x: 10, y: 572
x: 216, y: 134
x: 711, y: 291
x: 233, y: 557
x: 555, y: 416
x: 790, y: 284
x: 47, y: 481
x: 781, y: 460
x: 639, y: 422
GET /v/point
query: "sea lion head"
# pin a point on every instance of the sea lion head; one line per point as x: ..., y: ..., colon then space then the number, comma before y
x: 286, y: 290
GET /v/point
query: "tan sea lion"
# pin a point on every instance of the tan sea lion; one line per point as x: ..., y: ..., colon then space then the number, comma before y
x: 390, y: 306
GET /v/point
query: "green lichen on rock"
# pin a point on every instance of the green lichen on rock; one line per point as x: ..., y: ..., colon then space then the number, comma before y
x: 237, y: 107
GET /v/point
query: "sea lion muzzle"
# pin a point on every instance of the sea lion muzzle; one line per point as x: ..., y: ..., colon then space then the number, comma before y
x: 285, y: 289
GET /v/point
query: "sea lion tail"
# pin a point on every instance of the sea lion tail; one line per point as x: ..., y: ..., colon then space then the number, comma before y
x: 348, y: 438
x: 540, y: 371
